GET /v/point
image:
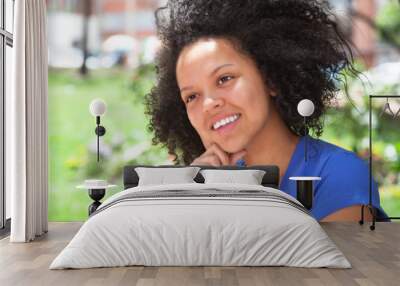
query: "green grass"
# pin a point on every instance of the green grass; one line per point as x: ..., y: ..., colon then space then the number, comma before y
x: 71, y: 129
x: 390, y: 200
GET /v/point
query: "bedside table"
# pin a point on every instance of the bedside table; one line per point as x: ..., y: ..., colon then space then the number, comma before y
x: 96, y: 190
x: 305, y: 190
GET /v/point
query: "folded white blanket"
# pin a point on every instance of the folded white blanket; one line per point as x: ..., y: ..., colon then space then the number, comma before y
x: 201, y: 224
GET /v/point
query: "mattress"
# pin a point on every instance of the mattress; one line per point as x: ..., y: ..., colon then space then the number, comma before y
x: 201, y: 225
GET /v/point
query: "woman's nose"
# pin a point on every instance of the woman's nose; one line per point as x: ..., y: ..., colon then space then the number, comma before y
x: 212, y: 102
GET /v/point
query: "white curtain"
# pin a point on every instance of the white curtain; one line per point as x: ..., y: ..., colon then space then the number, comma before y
x: 26, y: 123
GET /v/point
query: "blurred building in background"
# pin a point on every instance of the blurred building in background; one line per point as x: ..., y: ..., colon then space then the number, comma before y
x: 358, y: 18
x: 135, y: 18
x: 120, y: 30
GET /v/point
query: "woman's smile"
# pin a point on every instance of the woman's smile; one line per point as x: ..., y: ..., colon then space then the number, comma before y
x: 226, y: 124
x: 221, y: 120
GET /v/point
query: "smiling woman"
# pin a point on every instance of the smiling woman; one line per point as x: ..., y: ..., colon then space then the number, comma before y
x: 230, y: 76
x: 254, y: 59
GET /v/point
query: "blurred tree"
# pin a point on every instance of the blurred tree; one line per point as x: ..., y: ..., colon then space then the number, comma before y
x: 86, y: 10
x: 388, y: 20
x: 387, y: 23
x: 143, y: 79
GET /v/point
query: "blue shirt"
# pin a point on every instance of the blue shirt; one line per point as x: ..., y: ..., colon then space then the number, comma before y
x: 344, y: 177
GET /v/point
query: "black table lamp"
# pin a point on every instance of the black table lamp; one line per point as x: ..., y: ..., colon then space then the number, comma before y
x: 304, y: 187
x: 305, y: 108
x: 98, y: 108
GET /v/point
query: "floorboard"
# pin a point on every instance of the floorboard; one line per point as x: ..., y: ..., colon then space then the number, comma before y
x: 374, y: 255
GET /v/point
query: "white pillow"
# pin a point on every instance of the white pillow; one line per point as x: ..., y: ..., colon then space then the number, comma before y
x: 248, y: 177
x: 162, y: 176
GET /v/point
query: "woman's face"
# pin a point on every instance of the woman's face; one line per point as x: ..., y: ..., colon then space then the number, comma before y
x: 226, y: 99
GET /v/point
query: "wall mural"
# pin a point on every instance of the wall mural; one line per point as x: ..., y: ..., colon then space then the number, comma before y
x: 107, y: 51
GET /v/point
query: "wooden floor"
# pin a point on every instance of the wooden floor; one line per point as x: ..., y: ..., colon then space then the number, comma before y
x: 374, y: 255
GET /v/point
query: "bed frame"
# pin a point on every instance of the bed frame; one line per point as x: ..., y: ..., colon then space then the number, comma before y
x: 270, y: 179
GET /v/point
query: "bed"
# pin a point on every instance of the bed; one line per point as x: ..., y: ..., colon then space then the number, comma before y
x: 201, y: 224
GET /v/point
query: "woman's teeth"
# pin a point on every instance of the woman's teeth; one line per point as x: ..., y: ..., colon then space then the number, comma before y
x: 225, y: 121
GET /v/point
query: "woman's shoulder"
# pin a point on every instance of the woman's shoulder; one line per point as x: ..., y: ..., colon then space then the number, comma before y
x: 333, y: 151
x: 337, y: 159
x: 345, y: 181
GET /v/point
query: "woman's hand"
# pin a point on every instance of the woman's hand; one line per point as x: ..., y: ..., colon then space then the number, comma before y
x: 216, y: 157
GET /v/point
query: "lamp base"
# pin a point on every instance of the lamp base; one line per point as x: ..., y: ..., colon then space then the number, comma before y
x: 305, y: 193
x: 305, y: 190
x: 96, y: 195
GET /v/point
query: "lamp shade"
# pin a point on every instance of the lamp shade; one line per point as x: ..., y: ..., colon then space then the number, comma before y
x: 97, y: 107
x: 305, y: 107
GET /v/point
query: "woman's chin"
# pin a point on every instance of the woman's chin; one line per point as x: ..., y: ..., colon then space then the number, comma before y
x: 231, y: 149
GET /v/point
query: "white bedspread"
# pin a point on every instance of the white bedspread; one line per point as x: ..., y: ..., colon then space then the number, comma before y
x: 182, y: 231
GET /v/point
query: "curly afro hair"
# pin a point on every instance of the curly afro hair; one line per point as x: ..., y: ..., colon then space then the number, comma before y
x: 296, y: 45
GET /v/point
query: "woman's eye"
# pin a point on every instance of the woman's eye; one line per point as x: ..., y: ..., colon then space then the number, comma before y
x: 224, y: 79
x: 190, y: 98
